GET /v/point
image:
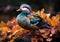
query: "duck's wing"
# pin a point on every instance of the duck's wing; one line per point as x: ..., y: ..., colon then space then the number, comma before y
x: 26, y: 25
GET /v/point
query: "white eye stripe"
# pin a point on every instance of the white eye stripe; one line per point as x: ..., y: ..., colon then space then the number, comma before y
x: 25, y: 9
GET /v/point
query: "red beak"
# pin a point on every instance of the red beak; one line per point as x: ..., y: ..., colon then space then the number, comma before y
x: 18, y: 9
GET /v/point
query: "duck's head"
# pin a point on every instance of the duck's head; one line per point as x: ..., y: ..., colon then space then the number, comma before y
x: 25, y: 8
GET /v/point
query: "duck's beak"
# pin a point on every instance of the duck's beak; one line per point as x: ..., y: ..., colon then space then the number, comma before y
x: 18, y: 9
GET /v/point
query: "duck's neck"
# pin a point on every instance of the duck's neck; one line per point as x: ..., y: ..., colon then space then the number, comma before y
x: 24, y: 13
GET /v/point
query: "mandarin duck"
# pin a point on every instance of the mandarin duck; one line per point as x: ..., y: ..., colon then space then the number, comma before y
x: 27, y: 20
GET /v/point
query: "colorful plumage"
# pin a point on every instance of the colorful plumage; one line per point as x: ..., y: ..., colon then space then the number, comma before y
x: 28, y: 20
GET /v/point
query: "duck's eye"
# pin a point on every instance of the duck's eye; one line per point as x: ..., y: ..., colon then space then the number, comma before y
x: 26, y: 7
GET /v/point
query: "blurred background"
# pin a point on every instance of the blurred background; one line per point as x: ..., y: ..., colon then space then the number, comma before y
x: 10, y: 30
x: 8, y: 7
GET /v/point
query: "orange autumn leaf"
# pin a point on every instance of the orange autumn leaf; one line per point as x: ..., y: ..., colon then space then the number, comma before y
x: 2, y: 24
x: 43, y: 16
x: 5, y: 29
x: 15, y: 28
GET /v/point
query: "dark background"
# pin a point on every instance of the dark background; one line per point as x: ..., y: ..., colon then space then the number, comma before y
x: 49, y: 5
x: 36, y: 4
